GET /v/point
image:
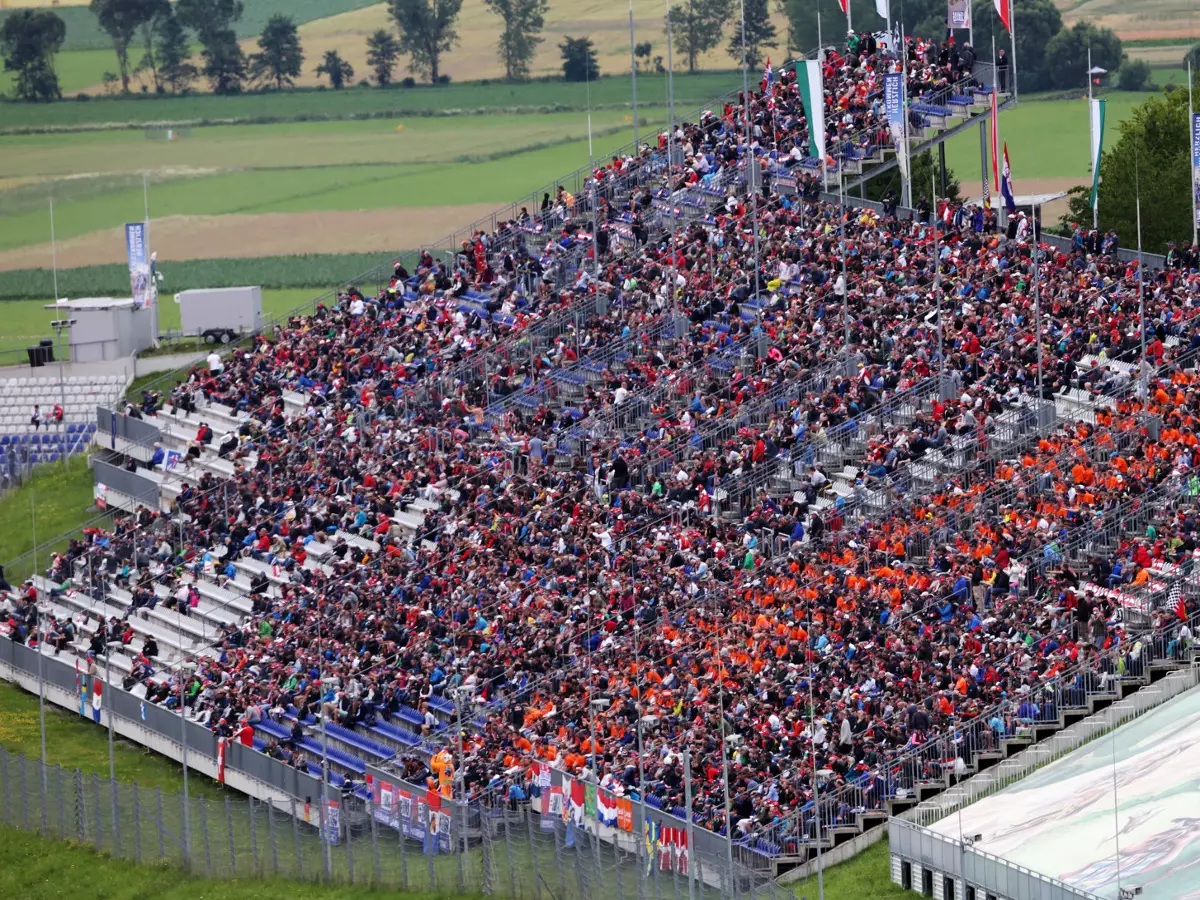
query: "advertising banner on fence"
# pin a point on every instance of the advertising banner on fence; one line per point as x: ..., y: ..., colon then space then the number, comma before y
x: 398, y: 807
x: 958, y: 14
x: 141, y: 278
x: 1196, y: 166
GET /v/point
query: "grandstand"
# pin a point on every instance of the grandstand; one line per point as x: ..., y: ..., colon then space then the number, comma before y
x: 663, y: 466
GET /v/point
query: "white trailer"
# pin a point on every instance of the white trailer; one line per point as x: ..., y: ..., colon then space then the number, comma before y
x: 220, y: 315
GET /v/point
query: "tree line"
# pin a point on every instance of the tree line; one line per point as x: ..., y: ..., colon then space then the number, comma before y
x: 152, y: 38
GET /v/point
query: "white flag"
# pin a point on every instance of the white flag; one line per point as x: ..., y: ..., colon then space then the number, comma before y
x: 881, y: 7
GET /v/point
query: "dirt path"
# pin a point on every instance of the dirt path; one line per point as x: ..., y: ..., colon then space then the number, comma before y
x: 268, y: 234
x: 1026, y: 186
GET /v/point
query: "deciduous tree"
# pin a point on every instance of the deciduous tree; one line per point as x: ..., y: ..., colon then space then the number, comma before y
x: 696, y: 26
x: 280, y: 55
x: 382, y: 52
x: 29, y: 38
x: 336, y: 69
x: 427, y: 30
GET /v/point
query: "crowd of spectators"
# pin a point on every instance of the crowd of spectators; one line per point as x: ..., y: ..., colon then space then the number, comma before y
x: 662, y: 533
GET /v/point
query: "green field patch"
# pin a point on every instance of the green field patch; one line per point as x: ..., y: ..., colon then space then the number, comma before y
x: 294, y: 145
x: 137, y: 111
x: 1046, y: 138
x: 499, y: 176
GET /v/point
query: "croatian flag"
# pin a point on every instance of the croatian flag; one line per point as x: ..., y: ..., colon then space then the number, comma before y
x: 97, y: 700
x: 768, y: 79
x: 1006, y: 184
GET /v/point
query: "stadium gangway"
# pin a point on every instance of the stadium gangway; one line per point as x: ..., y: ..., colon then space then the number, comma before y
x: 538, y: 390
x: 903, y: 775
x: 634, y: 416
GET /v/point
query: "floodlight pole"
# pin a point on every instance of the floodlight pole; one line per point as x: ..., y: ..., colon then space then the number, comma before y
x: 41, y: 630
x: 633, y: 74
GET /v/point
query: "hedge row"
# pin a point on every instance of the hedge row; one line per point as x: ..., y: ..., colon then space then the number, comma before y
x: 272, y: 272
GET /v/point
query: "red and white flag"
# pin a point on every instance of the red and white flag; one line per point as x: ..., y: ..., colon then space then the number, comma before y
x: 221, y: 743
x: 1004, y: 11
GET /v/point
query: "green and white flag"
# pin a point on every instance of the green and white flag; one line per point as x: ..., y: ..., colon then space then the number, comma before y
x: 812, y: 95
x: 1097, y: 113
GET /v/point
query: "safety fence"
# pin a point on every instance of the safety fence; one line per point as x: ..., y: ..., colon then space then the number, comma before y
x: 508, y: 850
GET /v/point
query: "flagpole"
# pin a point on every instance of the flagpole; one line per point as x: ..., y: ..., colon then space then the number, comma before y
x: 41, y: 628
x: 937, y: 288
x: 1095, y: 162
x: 1002, y: 213
x: 849, y: 23
x: 687, y: 799
x: 1137, y: 181
x: 905, y: 170
x: 54, y: 253
x: 812, y: 741
x: 1191, y: 141
x: 633, y: 74
x: 1012, y: 34
x: 724, y: 768
x: 750, y: 160
x: 1037, y: 311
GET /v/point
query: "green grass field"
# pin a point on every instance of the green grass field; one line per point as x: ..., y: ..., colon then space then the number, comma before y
x: 54, y: 502
x: 1046, y: 138
x: 314, y: 103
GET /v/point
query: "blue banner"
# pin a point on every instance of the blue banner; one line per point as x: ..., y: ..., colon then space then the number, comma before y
x: 1196, y: 166
x: 141, y: 282
x: 893, y: 102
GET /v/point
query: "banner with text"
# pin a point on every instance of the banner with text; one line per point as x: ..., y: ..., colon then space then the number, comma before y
x: 958, y: 14
x: 1196, y: 166
x: 141, y: 277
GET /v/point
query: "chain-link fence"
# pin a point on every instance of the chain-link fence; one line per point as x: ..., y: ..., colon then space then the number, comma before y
x: 507, y: 850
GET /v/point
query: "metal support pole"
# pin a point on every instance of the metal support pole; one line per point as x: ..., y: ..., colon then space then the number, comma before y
x: 983, y: 165
x: 751, y: 162
x: 633, y: 74
x: 812, y: 706
x: 108, y: 706
x: 158, y: 807
x: 533, y: 855
x: 1037, y: 313
x: 296, y: 842
x: 253, y: 837
x: 229, y: 833
x: 185, y: 821
x: 137, y: 827
x: 204, y: 833
x: 271, y: 836
x: 374, y: 835
x: 1191, y: 126
x: 687, y: 801
x: 937, y: 290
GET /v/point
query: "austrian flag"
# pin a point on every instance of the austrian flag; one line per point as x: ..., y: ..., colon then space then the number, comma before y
x: 1004, y: 11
